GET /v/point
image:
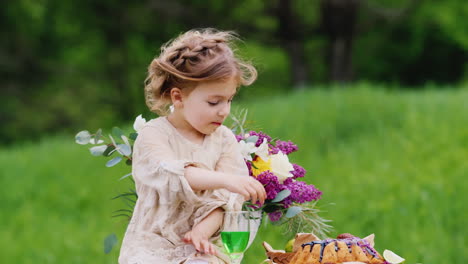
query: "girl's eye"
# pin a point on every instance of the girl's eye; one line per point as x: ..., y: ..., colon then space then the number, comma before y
x: 212, y: 103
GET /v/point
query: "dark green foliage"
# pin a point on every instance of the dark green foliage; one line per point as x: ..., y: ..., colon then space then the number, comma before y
x: 65, y: 65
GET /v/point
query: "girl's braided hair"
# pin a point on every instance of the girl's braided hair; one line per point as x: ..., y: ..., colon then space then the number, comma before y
x: 193, y: 57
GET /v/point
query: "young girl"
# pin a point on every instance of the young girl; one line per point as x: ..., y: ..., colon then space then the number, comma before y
x: 187, y: 166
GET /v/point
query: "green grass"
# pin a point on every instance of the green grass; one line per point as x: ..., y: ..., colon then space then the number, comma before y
x: 388, y: 162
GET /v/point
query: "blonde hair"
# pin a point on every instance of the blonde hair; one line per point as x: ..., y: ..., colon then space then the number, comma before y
x: 193, y: 57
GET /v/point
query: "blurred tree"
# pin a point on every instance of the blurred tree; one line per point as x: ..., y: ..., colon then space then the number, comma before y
x: 412, y: 45
x: 293, y: 40
x: 69, y: 65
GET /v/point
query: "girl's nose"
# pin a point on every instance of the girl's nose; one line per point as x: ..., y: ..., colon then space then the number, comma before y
x: 224, y: 111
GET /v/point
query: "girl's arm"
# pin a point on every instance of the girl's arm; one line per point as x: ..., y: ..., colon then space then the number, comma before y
x: 205, y: 229
x: 202, y: 179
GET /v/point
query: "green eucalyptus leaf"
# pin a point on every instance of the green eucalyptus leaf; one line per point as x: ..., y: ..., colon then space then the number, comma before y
x: 124, y: 149
x: 125, y: 176
x: 109, y: 242
x: 98, y: 150
x: 108, y: 150
x: 251, y: 139
x: 133, y: 136
x: 281, y: 196
x: 83, y: 137
x: 98, y: 135
x: 293, y: 211
x: 113, y: 161
x: 125, y: 140
x: 117, y: 132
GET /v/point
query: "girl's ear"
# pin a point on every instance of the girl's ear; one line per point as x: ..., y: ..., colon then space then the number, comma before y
x: 176, y: 97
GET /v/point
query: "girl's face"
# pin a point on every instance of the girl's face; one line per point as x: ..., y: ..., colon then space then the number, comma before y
x: 205, y: 107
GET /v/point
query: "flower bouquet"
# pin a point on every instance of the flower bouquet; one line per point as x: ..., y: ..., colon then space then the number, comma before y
x: 289, y: 201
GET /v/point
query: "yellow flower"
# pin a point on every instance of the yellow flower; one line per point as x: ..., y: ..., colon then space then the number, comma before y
x: 259, y: 166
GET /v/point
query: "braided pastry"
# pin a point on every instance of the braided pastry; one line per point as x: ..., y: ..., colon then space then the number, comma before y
x: 346, y: 248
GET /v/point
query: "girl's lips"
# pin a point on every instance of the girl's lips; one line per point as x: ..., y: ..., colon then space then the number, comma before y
x: 216, y: 123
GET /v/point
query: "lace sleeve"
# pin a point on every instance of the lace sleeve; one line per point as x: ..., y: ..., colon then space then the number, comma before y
x: 155, y: 165
x: 232, y: 162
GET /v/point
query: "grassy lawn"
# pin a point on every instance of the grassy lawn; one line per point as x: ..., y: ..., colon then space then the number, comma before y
x: 388, y: 162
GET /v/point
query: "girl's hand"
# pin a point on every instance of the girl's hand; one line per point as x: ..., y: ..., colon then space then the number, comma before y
x: 200, y: 242
x: 248, y: 187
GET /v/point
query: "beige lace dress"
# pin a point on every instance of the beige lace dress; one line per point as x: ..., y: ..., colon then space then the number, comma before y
x: 167, y: 207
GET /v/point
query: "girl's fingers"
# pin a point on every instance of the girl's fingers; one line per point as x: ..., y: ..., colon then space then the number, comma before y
x: 196, y: 244
x: 187, y: 238
x: 213, y: 250
x: 252, y: 193
x: 200, y: 244
x: 261, y: 193
x: 205, y: 245
x: 246, y: 194
x: 257, y: 191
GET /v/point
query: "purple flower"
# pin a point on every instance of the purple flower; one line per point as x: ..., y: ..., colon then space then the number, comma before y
x: 239, y: 138
x: 286, y: 147
x: 275, y: 216
x: 302, y: 192
x: 287, y: 202
x: 261, y: 136
x: 273, y: 149
x: 271, y: 184
x: 288, y: 181
x: 298, y: 171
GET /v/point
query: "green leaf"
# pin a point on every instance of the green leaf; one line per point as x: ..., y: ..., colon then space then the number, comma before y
x: 98, y: 150
x: 125, y: 176
x: 113, y: 161
x: 108, y: 150
x: 109, y: 242
x: 281, y: 196
x: 125, y: 140
x: 117, y: 132
x: 133, y: 136
x: 123, y: 211
x: 83, y: 137
x: 124, y: 149
x: 98, y: 135
x: 293, y: 211
x: 124, y: 195
x: 271, y: 207
x: 252, y: 139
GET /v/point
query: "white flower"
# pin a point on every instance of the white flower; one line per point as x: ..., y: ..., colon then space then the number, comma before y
x: 280, y: 166
x: 139, y: 123
x: 247, y: 149
x: 262, y: 150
